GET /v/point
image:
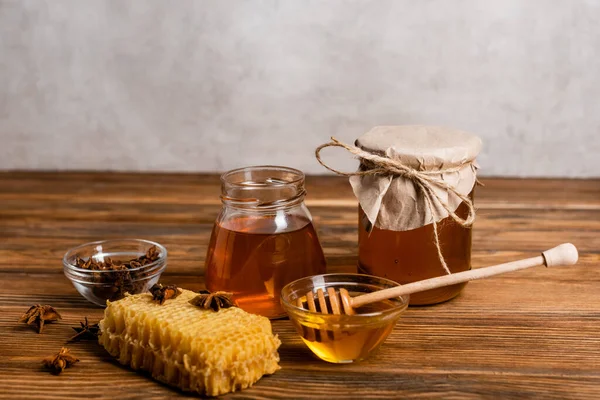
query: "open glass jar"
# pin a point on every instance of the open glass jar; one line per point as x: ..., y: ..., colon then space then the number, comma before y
x: 263, y: 238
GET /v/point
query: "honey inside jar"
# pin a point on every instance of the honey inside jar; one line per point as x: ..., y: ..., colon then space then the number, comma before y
x: 409, y: 256
x: 248, y: 257
x: 339, y: 342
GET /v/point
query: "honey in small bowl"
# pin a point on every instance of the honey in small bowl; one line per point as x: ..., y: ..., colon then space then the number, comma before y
x: 343, y: 338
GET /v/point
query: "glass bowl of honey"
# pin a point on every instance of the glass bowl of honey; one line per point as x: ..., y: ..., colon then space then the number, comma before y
x: 343, y: 338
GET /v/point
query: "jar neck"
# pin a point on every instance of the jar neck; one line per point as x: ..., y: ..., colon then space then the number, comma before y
x: 263, y: 188
x: 257, y: 207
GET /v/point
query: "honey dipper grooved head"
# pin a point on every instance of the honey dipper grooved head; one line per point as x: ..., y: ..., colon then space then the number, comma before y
x: 346, y: 302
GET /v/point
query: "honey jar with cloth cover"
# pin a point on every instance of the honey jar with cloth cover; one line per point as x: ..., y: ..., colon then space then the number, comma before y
x: 415, y: 187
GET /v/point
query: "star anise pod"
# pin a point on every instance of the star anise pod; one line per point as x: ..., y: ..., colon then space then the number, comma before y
x: 162, y: 293
x: 152, y: 254
x: 86, y: 331
x: 39, y: 314
x: 215, y: 300
x: 60, y: 361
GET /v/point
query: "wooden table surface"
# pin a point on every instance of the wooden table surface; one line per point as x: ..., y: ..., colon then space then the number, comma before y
x: 534, y: 333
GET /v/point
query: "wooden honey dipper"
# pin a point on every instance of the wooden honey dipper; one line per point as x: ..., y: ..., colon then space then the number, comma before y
x: 564, y: 254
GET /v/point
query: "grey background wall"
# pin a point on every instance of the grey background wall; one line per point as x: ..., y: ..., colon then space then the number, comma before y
x: 209, y: 85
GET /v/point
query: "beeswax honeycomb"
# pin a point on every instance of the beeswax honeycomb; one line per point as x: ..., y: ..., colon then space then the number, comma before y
x: 189, y: 347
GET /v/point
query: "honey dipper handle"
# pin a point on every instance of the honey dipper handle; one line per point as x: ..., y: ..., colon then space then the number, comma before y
x: 564, y: 254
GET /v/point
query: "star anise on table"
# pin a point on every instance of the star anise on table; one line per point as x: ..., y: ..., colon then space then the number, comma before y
x: 39, y: 314
x: 87, y: 331
x: 161, y: 293
x: 57, y: 363
x: 215, y: 300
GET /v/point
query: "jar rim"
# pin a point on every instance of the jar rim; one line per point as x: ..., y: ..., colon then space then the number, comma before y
x: 262, y: 186
x: 255, y: 168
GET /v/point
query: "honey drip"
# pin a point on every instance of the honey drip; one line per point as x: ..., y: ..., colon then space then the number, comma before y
x: 410, y: 256
x: 249, y: 257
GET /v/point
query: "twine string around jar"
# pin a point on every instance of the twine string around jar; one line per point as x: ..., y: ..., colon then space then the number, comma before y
x: 425, y: 181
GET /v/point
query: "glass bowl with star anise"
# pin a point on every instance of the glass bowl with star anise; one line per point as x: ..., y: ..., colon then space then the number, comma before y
x: 107, y: 270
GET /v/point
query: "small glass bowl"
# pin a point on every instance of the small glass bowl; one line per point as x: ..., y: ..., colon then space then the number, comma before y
x: 100, y: 286
x: 343, y: 338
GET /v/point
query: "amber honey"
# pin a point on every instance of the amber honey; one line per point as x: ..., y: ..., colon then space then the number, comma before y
x: 338, y: 341
x: 254, y: 256
x: 409, y: 256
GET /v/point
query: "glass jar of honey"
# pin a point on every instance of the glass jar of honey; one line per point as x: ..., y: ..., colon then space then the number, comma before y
x: 263, y: 238
x: 409, y: 256
x: 415, y: 191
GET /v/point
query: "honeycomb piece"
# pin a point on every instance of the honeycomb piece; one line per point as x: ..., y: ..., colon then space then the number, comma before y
x: 189, y: 347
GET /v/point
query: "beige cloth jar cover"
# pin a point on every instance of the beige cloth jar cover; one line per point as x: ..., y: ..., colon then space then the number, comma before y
x: 411, y: 176
x: 393, y: 202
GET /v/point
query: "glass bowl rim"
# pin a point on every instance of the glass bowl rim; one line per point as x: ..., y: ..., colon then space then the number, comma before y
x: 376, y: 314
x: 161, y: 259
x: 78, y: 279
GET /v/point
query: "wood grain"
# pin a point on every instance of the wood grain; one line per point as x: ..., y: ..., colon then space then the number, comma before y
x: 529, y: 334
